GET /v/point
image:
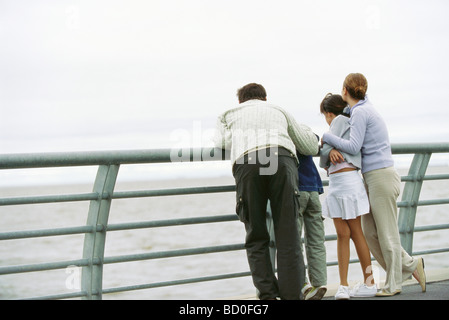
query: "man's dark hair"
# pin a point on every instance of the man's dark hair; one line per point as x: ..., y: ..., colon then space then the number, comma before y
x: 251, y: 91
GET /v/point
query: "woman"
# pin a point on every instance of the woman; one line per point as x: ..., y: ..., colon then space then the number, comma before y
x: 369, y: 134
x: 346, y: 202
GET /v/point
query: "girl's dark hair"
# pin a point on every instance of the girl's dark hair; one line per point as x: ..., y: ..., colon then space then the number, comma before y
x: 333, y: 103
x: 251, y: 91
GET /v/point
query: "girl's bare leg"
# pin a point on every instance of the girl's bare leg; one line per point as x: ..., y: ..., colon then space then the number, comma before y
x: 343, y: 237
x: 362, y: 249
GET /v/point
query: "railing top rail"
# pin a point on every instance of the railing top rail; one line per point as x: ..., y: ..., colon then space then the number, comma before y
x: 89, y: 158
x: 407, y: 148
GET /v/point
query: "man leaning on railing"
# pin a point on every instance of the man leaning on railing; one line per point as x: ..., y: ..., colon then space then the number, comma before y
x: 263, y: 139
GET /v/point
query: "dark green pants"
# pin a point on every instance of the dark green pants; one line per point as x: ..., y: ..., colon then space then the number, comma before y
x: 310, y: 217
x: 281, y: 188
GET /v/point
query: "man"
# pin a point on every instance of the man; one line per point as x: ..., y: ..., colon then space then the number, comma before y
x: 263, y: 140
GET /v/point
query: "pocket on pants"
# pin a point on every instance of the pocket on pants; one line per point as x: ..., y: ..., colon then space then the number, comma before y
x: 241, y: 209
x: 296, y: 202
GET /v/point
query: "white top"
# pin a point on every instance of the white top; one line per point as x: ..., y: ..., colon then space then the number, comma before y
x: 342, y: 165
x: 257, y: 124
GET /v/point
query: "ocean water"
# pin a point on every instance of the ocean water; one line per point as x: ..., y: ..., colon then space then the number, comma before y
x: 46, y: 249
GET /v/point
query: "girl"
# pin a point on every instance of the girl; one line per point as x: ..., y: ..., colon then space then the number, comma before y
x: 346, y: 202
x: 369, y: 135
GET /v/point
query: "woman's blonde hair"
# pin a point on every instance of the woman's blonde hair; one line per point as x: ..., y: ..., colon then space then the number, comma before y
x: 357, y: 85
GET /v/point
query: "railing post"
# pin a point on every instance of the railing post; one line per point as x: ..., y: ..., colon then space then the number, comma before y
x: 412, y: 190
x: 94, y: 242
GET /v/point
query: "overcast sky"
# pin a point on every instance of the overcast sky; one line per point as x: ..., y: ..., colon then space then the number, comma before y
x: 92, y: 75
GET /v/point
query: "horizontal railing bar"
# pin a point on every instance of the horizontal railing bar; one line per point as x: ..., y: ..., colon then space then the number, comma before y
x: 115, y: 227
x: 93, y: 158
x: 172, y: 253
x: 335, y: 263
x: 71, y: 295
x: 89, y: 158
x: 419, y: 148
x: 115, y: 195
x: 431, y: 251
x: 138, y: 194
x: 150, y: 193
x: 426, y: 177
x: 403, y: 204
x: 416, y: 253
x: 176, y: 282
x: 49, y: 232
x: 169, y: 223
x: 172, y: 192
x: 118, y: 259
x: 431, y: 227
x: 49, y: 199
x: 152, y: 224
x: 139, y: 225
x: 437, y: 177
x: 46, y: 266
x: 420, y: 203
x: 433, y: 202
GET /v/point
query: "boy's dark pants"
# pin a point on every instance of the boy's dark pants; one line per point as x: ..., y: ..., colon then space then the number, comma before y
x: 253, y: 192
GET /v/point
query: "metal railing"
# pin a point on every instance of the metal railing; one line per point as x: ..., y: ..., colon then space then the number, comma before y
x: 103, y: 194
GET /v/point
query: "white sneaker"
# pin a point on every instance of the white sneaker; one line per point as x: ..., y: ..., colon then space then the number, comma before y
x: 362, y: 290
x: 342, y: 293
x: 305, y: 290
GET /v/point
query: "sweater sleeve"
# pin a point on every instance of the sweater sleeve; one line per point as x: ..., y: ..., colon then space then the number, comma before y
x: 222, y: 137
x: 302, y: 136
x: 338, y: 128
x: 358, y: 124
x: 324, y: 155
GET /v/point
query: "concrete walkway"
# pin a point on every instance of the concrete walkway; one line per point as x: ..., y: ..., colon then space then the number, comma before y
x: 437, y: 289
